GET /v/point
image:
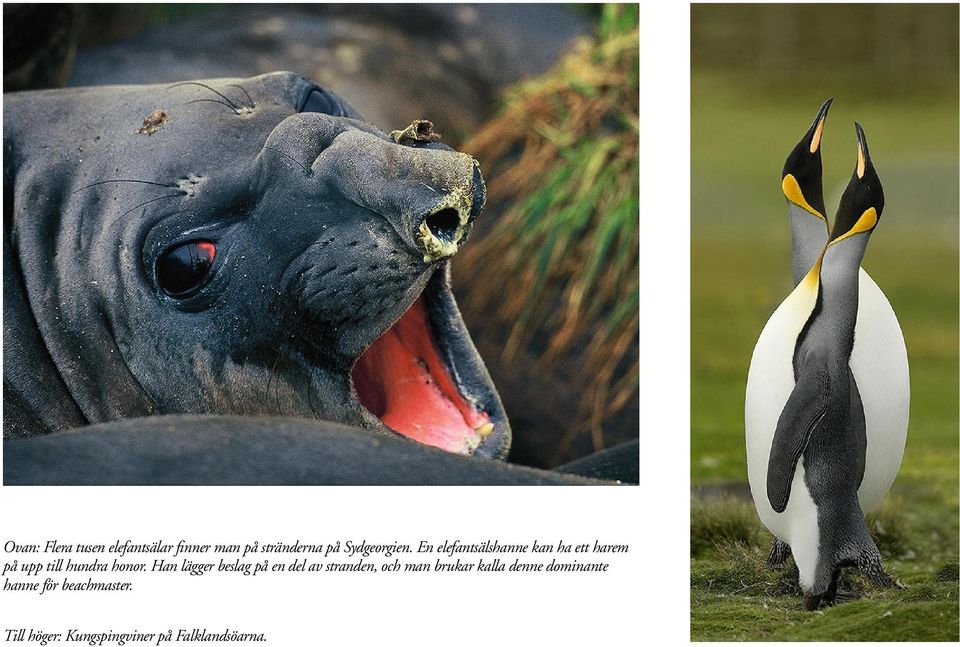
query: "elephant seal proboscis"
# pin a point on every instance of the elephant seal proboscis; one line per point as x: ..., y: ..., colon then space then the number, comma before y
x: 245, y: 247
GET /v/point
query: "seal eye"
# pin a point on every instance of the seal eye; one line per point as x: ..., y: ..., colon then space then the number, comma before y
x: 319, y: 100
x: 182, y: 269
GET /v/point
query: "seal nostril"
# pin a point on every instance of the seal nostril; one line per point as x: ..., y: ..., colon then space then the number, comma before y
x: 443, y: 224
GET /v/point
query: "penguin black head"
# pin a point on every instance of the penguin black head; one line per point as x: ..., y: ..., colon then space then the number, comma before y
x: 862, y: 202
x: 802, y: 180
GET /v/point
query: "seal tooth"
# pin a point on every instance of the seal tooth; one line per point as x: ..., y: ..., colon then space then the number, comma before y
x: 484, y: 430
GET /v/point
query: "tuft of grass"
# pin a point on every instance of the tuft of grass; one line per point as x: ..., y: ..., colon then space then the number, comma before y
x: 867, y: 620
x: 927, y: 592
x: 949, y: 572
x: 735, y: 596
x: 563, y: 156
x: 736, y: 568
x: 721, y: 521
x: 888, y: 526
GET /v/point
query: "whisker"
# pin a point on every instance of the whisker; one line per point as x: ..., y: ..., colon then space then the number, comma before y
x: 311, y: 323
x: 249, y: 98
x: 235, y: 111
x: 171, y: 195
x: 203, y: 85
x: 313, y: 409
x: 289, y: 157
x: 273, y: 370
x: 169, y: 186
x: 290, y: 309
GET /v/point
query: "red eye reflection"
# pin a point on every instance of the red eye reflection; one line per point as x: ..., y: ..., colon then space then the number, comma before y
x: 181, y: 270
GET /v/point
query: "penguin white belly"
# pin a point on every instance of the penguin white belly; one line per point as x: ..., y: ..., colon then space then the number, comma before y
x: 879, y: 365
x: 769, y: 385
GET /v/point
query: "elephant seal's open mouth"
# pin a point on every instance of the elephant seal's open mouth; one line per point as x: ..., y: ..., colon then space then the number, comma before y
x: 417, y: 376
x: 236, y: 246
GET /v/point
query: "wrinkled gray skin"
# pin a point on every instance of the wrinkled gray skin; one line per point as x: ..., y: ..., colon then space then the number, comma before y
x: 316, y: 219
x: 228, y: 450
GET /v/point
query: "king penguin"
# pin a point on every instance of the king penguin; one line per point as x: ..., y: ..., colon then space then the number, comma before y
x: 879, y: 349
x: 828, y: 389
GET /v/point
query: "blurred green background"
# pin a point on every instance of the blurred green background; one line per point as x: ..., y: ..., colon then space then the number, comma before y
x: 759, y: 74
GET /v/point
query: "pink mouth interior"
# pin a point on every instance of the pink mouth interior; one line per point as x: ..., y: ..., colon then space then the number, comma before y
x: 403, y: 380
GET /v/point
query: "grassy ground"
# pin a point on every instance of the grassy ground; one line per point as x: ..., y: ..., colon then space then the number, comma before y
x: 742, y: 131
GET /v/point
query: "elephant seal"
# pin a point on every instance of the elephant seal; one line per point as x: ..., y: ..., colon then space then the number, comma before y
x: 231, y: 450
x: 235, y: 246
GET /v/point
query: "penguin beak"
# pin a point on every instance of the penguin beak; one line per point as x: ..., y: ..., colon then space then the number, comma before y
x: 863, y: 153
x: 812, y: 138
x: 801, y: 181
x: 862, y: 201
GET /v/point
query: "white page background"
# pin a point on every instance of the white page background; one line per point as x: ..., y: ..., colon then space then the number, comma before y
x: 644, y: 597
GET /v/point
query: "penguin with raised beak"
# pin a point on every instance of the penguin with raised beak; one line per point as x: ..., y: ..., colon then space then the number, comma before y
x: 828, y: 390
x: 802, y: 185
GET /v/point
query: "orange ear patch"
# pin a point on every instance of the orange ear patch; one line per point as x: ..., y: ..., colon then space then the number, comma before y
x: 791, y: 189
x: 866, y: 222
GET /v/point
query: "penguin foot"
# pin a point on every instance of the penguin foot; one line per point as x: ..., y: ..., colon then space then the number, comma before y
x: 881, y: 579
x: 831, y: 598
x: 868, y: 562
x: 844, y: 595
x: 812, y: 602
x: 779, y: 552
x: 833, y: 595
x: 836, y: 595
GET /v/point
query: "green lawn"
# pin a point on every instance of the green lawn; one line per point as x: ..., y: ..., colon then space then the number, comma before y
x: 741, y: 271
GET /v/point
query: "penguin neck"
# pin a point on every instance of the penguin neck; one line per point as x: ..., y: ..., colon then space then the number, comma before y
x: 808, y: 234
x: 832, y: 325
